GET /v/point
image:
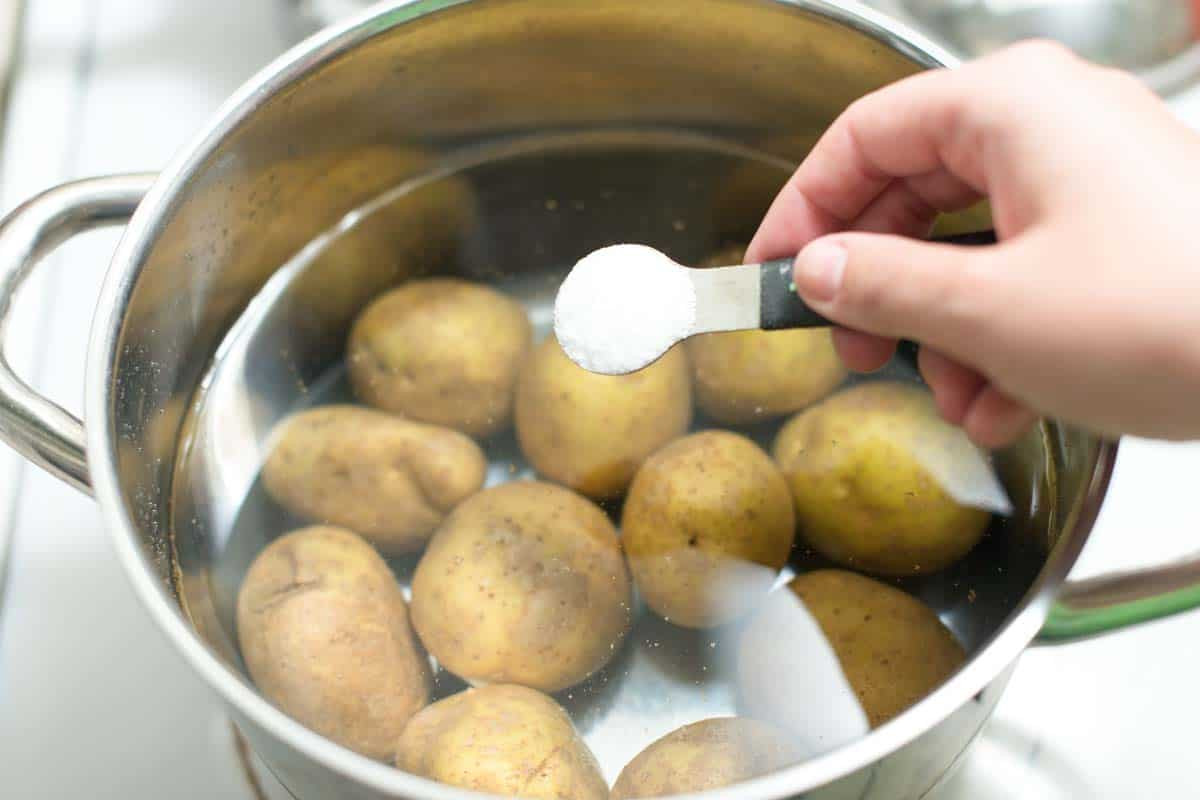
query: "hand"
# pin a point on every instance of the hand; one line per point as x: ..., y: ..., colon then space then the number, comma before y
x: 1089, y: 307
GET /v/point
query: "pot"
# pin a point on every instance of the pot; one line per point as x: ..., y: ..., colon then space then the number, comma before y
x: 1156, y: 40
x: 387, y: 147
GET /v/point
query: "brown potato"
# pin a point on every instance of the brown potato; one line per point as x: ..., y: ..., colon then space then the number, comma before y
x: 591, y: 432
x: 749, y: 376
x: 705, y: 755
x: 391, y: 480
x: 324, y: 631
x: 503, y: 740
x: 440, y: 350
x: 859, y: 466
x: 524, y: 583
x: 707, y: 525
x: 893, y: 650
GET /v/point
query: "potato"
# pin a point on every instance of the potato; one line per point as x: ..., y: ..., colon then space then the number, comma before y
x: 705, y: 755
x: 502, y: 740
x: 742, y: 377
x: 324, y: 631
x: 861, y: 467
x: 440, y: 350
x: 707, y: 524
x: 391, y: 480
x: 748, y: 376
x: 892, y: 649
x: 524, y: 583
x: 591, y: 432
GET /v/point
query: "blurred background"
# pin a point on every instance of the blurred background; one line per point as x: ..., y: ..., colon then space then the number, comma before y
x: 93, y: 702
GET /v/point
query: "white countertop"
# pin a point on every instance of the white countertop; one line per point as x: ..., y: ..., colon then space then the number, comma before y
x: 94, y: 703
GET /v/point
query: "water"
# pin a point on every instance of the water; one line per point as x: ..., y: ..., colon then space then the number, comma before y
x: 521, y: 213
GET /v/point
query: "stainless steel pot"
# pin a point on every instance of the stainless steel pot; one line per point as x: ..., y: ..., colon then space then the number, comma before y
x: 333, y: 143
x: 1157, y: 40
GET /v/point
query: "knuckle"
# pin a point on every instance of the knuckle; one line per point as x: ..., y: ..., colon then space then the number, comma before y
x: 910, y: 210
x: 862, y: 291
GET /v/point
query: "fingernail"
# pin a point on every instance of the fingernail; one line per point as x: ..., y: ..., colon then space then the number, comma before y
x: 819, y: 270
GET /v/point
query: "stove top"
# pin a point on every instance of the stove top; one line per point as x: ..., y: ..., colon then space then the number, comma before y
x: 94, y: 702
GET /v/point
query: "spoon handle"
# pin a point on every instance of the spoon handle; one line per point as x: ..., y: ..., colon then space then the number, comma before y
x: 780, y: 306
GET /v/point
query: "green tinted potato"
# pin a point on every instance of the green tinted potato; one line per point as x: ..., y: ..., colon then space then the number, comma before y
x: 706, y: 526
x: 859, y: 467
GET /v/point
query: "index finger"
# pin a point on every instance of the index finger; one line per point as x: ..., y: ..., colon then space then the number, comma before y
x: 910, y: 131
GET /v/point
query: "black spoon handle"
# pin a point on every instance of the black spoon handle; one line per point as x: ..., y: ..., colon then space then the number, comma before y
x: 780, y: 306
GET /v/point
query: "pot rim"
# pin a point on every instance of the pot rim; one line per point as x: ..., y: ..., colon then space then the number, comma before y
x: 146, y: 225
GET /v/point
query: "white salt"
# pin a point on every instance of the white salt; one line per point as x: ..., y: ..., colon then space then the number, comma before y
x: 622, y: 307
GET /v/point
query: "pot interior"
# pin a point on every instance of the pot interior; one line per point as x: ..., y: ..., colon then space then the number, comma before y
x: 498, y: 142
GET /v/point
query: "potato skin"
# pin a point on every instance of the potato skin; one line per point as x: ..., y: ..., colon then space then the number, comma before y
x: 440, y: 350
x: 706, y: 526
x: 591, y: 432
x: 524, y: 583
x: 863, y: 499
x: 743, y: 377
x: 705, y: 755
x: 391, y: 480
x: 324, y: 632
x: 892, y: 648
x: 504, y: 740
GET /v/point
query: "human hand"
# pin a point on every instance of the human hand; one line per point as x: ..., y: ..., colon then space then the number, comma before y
x: 1089, y: 307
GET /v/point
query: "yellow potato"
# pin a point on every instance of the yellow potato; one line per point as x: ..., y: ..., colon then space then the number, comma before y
x: 861, y: 467
x: 591, y: 432
x: 391, y: 480
x: 892, y: 649
x: 707, y: 524
x: 524, y: 583
x: 324, y: 631
x: 748, y: 376
x: 742, y: 377
x: 704, y: 755
x: 502, y: 740
x: 440, y: 350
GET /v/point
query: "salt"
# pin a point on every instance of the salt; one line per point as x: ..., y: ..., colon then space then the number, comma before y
x: 622, y: 307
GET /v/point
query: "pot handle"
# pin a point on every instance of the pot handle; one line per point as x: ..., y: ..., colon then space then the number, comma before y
x: 37, y: 428
x: 1108, y: 603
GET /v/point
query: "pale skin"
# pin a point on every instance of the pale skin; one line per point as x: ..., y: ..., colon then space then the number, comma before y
x: 1088, y: 310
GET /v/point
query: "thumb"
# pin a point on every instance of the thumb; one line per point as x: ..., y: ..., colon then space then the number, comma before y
x: 896, y: 287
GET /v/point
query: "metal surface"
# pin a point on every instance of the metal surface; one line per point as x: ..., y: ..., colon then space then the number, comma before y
x: 1100, y: 605
x: 39, y: 429
x: 295, y: 159
x: 727, y: 298
x: 1157, y: 39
